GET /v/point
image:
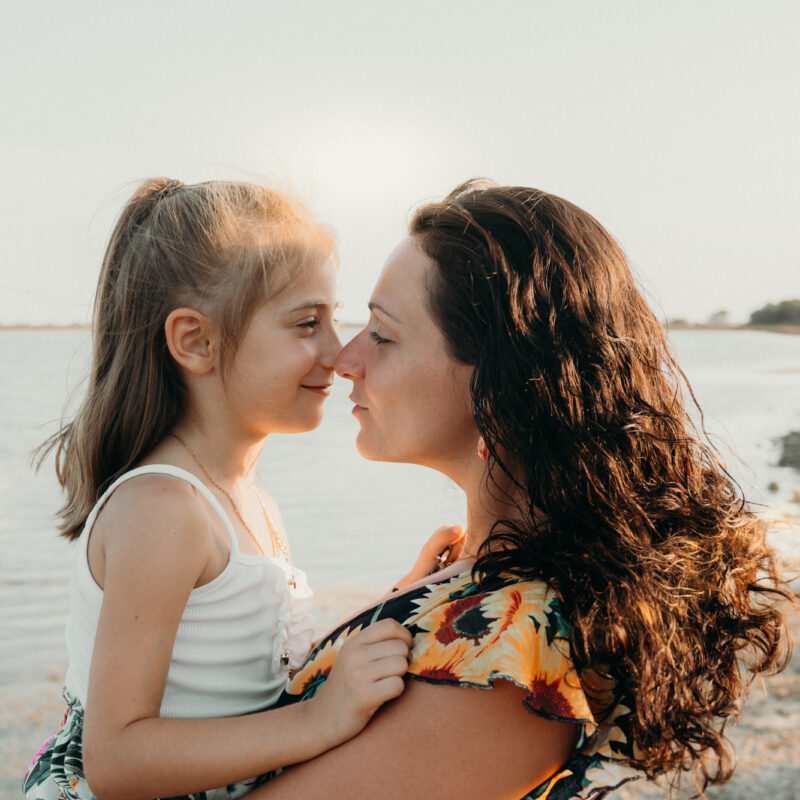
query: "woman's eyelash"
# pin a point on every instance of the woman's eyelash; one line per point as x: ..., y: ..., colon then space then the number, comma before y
x: 377, y: 338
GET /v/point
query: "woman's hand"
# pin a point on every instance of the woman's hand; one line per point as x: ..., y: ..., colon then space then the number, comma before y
x: 368, y: 672
x: 449, y: 537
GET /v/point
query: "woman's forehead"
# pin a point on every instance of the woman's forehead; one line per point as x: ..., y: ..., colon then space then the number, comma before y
x: 402, y: 288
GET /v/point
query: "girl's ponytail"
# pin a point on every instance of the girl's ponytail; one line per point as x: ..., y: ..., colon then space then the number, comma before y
x: 136, y: 211
x: 134, y: 391
x: 216, y: 247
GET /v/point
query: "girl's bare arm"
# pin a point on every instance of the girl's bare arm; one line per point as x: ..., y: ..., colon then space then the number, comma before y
x: 155, y: 552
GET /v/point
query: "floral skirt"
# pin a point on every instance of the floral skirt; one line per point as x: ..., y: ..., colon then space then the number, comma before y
x: 56, y: 772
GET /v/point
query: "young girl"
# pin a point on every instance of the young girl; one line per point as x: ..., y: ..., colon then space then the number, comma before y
x: 213, y: 327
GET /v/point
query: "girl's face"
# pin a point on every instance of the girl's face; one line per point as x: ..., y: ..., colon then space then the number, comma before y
x: 412, y: 399
x: 283, y: 368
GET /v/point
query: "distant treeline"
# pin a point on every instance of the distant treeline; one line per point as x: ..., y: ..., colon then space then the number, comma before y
x: 787, y: 312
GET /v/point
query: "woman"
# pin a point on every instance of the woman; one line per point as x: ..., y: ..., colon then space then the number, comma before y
x: 612, y: 580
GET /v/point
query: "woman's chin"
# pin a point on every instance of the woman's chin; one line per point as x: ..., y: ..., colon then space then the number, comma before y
x: 373, y: 451
x: 363, y: 449
x: 367, y: 449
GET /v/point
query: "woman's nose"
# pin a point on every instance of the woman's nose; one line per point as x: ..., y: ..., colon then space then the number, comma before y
x: 349, y: 363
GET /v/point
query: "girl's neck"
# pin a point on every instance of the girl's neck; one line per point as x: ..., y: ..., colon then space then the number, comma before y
x: 228, y: 455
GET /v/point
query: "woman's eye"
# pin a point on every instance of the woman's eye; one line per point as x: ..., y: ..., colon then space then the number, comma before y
x: 377, y: 338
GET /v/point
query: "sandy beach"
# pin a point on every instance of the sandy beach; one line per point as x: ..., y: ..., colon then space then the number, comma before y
x: 766, y: 739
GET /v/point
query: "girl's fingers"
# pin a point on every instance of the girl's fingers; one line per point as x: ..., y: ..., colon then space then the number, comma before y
x: 446, y: 536
x: 383, y: 630
x: 387, y: 689
x: 387, y: 649
x: 455, y: 533
x: 383, y: 668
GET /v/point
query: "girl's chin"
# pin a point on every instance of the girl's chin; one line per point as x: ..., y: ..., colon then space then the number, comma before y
x: 301, y: 425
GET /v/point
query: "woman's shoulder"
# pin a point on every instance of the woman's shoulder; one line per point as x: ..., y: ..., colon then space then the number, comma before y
x: 496, y: 586
x: 502, y: 626
x: 495, y: 597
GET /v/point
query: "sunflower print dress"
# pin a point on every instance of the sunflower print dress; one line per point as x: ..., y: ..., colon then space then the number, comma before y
x: 466, y: 634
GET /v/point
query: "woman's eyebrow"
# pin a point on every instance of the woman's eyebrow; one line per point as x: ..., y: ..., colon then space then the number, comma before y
x: 376, y: 307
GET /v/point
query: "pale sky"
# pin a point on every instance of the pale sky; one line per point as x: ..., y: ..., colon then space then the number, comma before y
x: 676, y: 124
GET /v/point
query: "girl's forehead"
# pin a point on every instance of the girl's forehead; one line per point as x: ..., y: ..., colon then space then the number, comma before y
x: 315, y: 285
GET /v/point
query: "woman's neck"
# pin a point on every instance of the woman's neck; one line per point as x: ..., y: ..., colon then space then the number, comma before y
x: 487, y: 503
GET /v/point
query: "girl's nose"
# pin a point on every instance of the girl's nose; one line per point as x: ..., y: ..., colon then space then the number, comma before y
x: 332, y: 346
x: 349, y: 363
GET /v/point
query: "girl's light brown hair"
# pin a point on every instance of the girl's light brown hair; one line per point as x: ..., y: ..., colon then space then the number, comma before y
x: 673, y: 594
x: 221, y: 248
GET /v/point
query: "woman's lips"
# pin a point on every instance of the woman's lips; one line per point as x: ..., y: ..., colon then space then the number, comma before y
x: 357, y: 408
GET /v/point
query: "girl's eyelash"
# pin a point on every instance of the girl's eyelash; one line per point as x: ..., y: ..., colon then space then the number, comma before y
x: 310, y: 323
x: 377, y: 338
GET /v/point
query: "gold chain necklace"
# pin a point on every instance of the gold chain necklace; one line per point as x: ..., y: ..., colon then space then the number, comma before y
x: 278, y: 545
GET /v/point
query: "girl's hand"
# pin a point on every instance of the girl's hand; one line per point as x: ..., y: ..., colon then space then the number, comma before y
x: 368, y: 672
x: 449, y: 537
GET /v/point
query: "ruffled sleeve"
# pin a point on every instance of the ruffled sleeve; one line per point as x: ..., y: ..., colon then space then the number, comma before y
x: 515, y: 633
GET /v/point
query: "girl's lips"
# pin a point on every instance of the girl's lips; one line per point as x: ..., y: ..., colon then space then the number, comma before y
x: 324, y: 390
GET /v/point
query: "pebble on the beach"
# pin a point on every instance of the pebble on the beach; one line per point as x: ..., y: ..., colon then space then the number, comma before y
x: 790, y: 455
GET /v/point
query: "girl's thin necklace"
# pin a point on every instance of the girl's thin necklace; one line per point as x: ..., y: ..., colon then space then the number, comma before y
x: 278, y: 545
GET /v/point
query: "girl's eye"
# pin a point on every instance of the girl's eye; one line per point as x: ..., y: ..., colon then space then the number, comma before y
x: 377, y: 338
x: 309, y: 323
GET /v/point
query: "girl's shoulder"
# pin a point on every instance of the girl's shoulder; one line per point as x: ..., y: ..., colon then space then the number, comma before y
x: 151, y: 506
x: 154, y: 494
x: 152, y: 520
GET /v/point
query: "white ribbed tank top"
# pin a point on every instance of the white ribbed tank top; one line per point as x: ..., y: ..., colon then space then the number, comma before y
x: 235, y: 637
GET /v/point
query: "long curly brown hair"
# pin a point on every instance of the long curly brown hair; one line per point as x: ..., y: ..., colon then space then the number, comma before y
x: 671, y: 588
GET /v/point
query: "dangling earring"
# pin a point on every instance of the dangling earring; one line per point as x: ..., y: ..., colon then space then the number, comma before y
x: 483, y: 450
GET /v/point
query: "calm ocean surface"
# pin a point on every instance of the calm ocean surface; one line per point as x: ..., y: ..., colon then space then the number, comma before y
x: 351, y: 523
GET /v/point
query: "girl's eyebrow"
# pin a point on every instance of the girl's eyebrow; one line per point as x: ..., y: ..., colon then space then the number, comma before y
x: 314, y: 304
x: 376, y: 307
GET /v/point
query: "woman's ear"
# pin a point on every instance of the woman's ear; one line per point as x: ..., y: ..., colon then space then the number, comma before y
x: 191, y: 340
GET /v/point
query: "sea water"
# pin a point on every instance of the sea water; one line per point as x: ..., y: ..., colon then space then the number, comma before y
x: 354, y: 526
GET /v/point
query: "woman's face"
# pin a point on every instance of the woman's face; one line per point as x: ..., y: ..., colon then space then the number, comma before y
x: 412, y: 400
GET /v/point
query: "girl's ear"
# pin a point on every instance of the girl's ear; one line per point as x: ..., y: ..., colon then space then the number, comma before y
x: 191, y: 340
